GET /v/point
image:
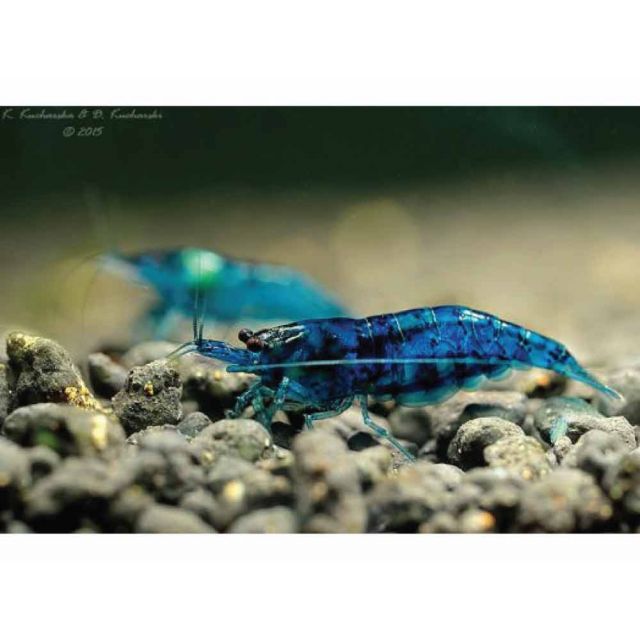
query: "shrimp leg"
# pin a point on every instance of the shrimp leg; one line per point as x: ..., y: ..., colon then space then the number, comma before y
x: 381, y: 431
x: 244, y: 400
x: 254, y: 396
x: 339, y: 407
x: 278, y: 401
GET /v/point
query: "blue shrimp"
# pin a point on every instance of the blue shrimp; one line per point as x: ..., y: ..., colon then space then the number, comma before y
x: 235, y: 290
x: 418, y: 357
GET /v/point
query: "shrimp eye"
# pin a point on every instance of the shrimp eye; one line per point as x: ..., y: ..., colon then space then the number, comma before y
x: 255, y: 344
x: 244, y: 335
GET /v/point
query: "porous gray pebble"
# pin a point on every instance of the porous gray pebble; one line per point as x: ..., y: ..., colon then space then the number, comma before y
x: 523, y: 455
x: 210, y: 387
x: 622, y: 484
x: 596, y: 452
x: 160, y: 518
x: 327, y: 485
x: 573, y: 417
x: 193, y: 424
x: 373, y: 464
x: 80, y: 490
x: 239, y: 487
x: 165, y: 466
x: 625, y: 381
x: 151, y: 396
x: 42, y: 371
x: 518, y: 458
x: 403, y: 501
x: 42, y: 461
x: 14, y: 474
x: 275, y: 520
x: 66, y: 429
x: 411, y: 423
x: 467, y: 447
x: 244, y: 438
x: 447, y: 417
x: 494, y: 492
x: 6, y: 400
x: 565, y: 501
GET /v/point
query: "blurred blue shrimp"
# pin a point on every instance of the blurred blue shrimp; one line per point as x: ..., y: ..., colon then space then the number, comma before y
x: 418, y: 357
x: 234, y: 290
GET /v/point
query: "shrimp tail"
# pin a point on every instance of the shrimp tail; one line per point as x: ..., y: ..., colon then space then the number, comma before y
x: 574, y: 371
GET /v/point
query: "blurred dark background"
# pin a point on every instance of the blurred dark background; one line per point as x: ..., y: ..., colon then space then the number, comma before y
x: 530, y: 213
x: 272, y: 148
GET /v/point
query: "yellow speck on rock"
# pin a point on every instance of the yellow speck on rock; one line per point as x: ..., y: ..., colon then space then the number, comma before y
x: 81, y: 397
x: 99, y: 432
x: 485, y: 521
x: 4, y: 479
x: 233, y: 491
x: 23, y: 340
x: 218, y: 375
x: 319, y: 491
x: 148, y: 389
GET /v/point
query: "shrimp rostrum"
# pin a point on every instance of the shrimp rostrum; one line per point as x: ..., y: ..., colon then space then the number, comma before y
x: 417, y: 357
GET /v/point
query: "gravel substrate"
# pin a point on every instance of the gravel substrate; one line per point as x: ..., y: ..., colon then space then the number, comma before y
x: 146, y: 447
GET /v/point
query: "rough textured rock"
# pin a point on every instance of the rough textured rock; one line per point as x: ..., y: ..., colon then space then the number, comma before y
x: 404, y: 501
x: 564, y: 501
x: 373, y: 464
x: 66, y: 430
x: 622, y: 483
x: 275, y: 520
x: 361, y: 440
x: 571, y: 417
x: 201, y: 502
x: 521, y: 462
x: 138, y: 436
x: 522, y: 455
x: 283, y: 433
x: 625, y: 381
x: 213, y: 390
x: 466, y: 450
x: 165, y: 466
x: 596, y: 452
x: 561, y: 448
x: 327, y: 485
x: 106, y: 376
x: 160, y: 518
x: 6, y: 395
x: 14, y: 475
x: 447, y: 417
x: 151, y: 396
x: 246, y: 439
x: 412, y: 424
x: 78, y: 491
x: 193, y: 424
x: 44, y: 372
x: 495, y: 491
x: 42, y: 461
x: 239, y: 488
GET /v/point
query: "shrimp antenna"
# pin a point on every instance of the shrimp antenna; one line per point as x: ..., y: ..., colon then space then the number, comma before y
x: 196, y: 305
x: 199, y: 307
